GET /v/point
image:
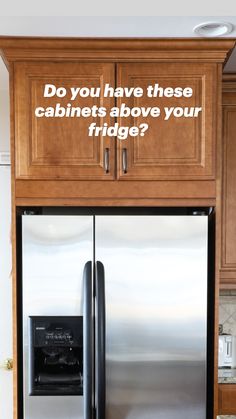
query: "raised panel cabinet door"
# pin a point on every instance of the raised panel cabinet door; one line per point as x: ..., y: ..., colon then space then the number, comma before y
x: 227, y: 399
x: 178, y: 147
x: 59, y: 146
x: 228, y: 244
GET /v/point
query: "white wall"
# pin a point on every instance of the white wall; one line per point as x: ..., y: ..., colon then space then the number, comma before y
x: 4, y: 109
x: 4, y: 121
x: 107, y: 26
x: 6, y: 377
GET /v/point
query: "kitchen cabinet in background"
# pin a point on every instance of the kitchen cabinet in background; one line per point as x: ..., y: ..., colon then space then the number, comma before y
x: 227, y: 399
x: 228, y: 226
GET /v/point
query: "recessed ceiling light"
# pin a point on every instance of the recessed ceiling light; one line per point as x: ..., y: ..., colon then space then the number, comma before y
x: 213, y: 28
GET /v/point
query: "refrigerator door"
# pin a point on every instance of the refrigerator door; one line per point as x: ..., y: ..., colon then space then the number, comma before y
x: 55, y: 250
x: 156, y: 315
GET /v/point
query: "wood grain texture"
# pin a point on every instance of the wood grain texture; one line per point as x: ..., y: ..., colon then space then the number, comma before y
x: 228, y: 85
x: 228, y: 248
x: 218, y: 221
x: 60, y: 148
x: 115, y: 202
x: 55, y: 147
x: 14, y: 249
x: 24, y: 54
x: 115, y: 49
x: 177, y: 148
x: 229, y: 195
x: 227, y: 399
x: 115, y: 189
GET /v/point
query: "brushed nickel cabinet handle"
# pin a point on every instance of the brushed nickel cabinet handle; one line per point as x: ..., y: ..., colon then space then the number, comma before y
x: 107, y: 160
x: 7, y: 364
x: 124, y: 160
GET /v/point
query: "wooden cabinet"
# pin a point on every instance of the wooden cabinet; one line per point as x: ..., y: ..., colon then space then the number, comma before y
x: 181, y: 147
x: 55, y: 159
x: 55, y: 163
x: 227, y: 399
x: 58, y: 147
x: 228, y: 244
x: 53, y: 146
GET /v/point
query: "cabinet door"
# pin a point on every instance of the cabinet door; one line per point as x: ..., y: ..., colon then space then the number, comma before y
x: 60, y: 147
x: 228, y: 247
x: 177, y: 148
x: 227, y: 399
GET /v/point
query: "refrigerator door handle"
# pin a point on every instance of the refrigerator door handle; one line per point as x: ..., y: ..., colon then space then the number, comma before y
x: 88, y: 341
x: 100, y: 341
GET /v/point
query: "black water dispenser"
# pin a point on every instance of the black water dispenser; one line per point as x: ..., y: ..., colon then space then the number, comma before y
x: 56, y: 355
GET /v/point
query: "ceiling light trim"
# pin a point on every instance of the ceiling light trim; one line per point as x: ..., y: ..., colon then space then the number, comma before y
x: 213, y: 29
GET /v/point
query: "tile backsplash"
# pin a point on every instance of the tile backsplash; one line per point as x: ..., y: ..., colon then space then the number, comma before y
x: 226, y: 417
x: 227, y: 312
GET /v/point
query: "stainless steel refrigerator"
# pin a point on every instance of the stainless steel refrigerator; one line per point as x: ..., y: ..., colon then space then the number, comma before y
x: 136, y: 286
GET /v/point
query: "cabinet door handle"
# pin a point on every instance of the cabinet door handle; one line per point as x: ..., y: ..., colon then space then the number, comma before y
x: 7, y: 364
x: 124, y: 160
x: 107, y: 160
x: 88, y: 354
x: 100, y: 339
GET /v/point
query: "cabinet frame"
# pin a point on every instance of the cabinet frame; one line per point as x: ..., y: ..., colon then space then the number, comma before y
x: 185, y: 157
x: 152, y: 193
x: 228, y: 202
x: 43, y: 149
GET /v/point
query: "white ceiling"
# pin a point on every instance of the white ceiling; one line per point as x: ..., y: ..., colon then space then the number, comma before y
x: 119, y: 8
x: 103, y: 26
x: 120, y: 26
x: 108, y: 26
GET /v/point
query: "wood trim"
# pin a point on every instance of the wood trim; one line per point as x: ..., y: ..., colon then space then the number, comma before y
x: 229, y: 83
x: 88, y: 202
x: 228, y: 270
x: 115, y: 49
x: 227, y: 193
x: 224, y: 189
x: 13, y: 238
x: 227, y: 273
x: 228, y: 286
x: 227, y: 279
x: 113, y: 189
x: 116, y: 43
x: 217, y: 236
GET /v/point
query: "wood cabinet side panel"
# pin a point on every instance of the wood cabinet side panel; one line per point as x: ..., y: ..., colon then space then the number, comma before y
x: 228, y: 249
x: 227, y: 399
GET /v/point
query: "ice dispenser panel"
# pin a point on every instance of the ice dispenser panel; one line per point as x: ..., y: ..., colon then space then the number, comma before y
x: 56, y: 355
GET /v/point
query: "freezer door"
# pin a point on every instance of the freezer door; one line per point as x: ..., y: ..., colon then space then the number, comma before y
x: 156, y: 315
x: 55, y: 250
